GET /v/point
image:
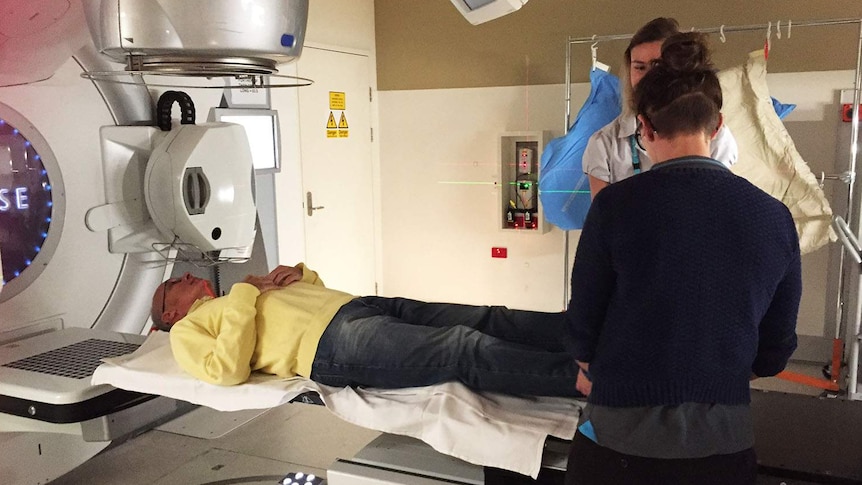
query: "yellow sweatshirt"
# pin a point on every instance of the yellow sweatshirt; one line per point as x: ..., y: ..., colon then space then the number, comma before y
x: 222, y: 340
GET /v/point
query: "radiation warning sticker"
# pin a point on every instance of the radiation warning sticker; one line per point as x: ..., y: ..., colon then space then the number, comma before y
x: 337, y: 100
x: 331, y: 127
x: 343, y: 131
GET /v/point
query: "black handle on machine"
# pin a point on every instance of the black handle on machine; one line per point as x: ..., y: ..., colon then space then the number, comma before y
x: 166, y: 102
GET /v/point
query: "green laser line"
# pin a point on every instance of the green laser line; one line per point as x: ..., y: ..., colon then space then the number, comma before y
x: 449, y: 182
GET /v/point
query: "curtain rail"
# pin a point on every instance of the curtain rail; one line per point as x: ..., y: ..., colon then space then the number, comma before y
x: 726, y: 29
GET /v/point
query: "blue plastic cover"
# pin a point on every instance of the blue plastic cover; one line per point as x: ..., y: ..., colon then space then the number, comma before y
x: 781, y: 109
x: 564, y: 189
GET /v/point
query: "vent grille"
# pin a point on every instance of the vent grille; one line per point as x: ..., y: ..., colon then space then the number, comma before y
x: 196, y: 191
x: 76, y: 361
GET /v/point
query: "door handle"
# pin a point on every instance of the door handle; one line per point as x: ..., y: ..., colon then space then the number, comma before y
x: 309, y: 206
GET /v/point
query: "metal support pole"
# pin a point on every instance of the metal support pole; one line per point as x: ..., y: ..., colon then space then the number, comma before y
x: 568, y: 122
x: 853, y: 335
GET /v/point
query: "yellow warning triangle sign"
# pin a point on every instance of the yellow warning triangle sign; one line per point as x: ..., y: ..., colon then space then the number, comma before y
x: 331, y: 122
x: 342, y: 123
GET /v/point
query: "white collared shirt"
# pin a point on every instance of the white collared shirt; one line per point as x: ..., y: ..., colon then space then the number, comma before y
x: 608, y: 155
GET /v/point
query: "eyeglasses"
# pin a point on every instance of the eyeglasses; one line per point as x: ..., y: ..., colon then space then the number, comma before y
x: 638, y: 137
x: 638, y: 132
x: 167, y: 286
x: 165, y: 289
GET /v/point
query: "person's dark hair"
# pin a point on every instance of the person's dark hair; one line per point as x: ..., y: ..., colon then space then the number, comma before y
x: 656, y: 29
x: 681, y: 93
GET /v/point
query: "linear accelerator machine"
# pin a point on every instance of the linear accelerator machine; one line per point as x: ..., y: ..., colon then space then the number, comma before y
x: 99, y: 200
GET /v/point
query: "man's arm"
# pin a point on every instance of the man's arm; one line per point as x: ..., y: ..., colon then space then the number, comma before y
x: 215, y: 342
x: 593, y: 282
x: 278, y: 278
x: 309, y: 276
x: 777, y: 339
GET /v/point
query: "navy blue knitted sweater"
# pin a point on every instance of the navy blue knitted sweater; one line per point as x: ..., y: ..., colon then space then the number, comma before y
x: 686, y: 281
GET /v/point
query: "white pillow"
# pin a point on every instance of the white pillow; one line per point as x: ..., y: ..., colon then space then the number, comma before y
x: 767, y: 155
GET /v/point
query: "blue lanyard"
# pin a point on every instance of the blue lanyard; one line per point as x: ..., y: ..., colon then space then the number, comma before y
x: 636, y: 158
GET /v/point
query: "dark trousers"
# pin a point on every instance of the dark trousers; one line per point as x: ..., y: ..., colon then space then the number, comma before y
x: 591, y: 464
x: 397, y: 342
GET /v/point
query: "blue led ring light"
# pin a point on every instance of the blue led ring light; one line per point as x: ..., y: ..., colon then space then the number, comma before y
x: 28, y: 202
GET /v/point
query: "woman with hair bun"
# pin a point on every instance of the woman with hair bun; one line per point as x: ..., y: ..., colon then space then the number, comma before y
x: 611, y: 154
x: 685, y: 286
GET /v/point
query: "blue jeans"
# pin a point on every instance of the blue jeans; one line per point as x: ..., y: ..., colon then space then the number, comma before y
x: 396, y: 342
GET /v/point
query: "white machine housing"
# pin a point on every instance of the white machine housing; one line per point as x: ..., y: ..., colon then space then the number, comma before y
x: 199, y: 187
x: 50, y: 421
x: 255, y: 35
x: 481, y: 11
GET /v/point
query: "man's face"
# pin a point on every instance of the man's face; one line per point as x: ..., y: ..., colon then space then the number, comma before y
x: 175, y: 296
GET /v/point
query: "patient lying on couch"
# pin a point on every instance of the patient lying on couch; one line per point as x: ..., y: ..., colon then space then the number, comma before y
x: 288, y: 323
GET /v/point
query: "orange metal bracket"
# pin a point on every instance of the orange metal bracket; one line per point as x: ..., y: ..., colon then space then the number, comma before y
x: 808, y: 380
x: 828, y: 384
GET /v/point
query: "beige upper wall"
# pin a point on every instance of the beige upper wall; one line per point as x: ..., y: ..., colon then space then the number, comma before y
x: 427, y: 44
x: 341, y: 23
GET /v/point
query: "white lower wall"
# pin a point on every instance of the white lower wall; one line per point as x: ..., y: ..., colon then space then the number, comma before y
x: 439, y: 162
x: 437, y: 236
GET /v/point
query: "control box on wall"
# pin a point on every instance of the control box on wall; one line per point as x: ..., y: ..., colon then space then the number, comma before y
x: 520, y: 154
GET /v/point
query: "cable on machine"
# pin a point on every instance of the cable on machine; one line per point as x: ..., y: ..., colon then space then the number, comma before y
x: 166, y: 102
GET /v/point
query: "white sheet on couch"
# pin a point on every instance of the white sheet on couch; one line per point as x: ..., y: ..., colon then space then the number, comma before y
x: 485, y: 429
